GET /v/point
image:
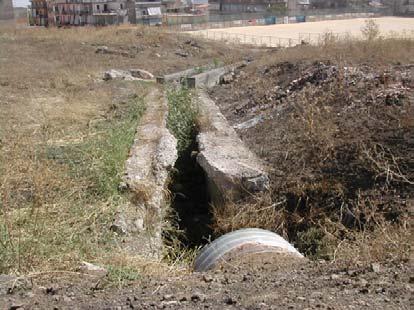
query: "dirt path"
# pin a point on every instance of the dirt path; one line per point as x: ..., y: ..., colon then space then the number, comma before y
x: 260, y: 282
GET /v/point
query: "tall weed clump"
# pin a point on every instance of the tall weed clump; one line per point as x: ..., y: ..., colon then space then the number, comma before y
x: 370, y: 31
x: 182, y: 117
x: 182, y: 122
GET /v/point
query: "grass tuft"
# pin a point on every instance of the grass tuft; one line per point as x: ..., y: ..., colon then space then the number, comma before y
x: 181, y: 117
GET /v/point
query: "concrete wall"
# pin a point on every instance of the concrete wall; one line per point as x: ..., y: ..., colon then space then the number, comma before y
x: 231, y: 168
x: 6, y: 9
x: 147, y: 170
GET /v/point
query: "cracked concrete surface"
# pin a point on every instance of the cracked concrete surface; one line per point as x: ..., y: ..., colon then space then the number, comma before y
x: 152, y: 155
x: 231, y: 167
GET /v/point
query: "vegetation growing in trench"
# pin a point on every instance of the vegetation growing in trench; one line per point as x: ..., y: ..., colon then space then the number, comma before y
x: 181, y: 117
x: 189, y: 215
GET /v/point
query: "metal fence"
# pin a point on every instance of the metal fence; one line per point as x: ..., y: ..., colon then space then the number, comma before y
x: 267, y: 41
x: 226, y: 20
x: 266, y: 20
x: 273, y: 41
x: 217, y: 16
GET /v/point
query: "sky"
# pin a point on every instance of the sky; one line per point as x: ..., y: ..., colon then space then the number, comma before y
x: 20, y: 3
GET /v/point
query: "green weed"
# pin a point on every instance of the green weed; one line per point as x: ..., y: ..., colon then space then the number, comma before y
x: 120, y: 275
x: 181, y: 117
x: 57, y: 202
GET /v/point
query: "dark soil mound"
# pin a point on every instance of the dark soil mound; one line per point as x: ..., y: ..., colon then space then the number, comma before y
x: 339, y: 141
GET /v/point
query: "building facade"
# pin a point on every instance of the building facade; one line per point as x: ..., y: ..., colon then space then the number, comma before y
x: 78, y: 12
x: 6, y: 9
x: 38, y: 13
x: 405, y: 7
x: 147, y: 12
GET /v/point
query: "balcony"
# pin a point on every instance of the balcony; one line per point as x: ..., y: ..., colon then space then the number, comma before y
x: 148, y: 4
x: 72, y: 12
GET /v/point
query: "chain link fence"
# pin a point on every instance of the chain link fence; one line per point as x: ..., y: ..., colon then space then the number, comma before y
x: 258, y: 40
x: 274, y: 41
x: 226, y: 20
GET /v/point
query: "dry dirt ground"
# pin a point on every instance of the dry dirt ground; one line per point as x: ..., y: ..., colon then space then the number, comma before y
x: 259, y: 282
x: 42, y: 68
x: 53, y: 218
x: 312, y: 30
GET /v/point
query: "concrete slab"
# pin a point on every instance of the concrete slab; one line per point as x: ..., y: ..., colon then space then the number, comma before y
x: 232, y: 169
x: 212, y: 77
x: 176, y: 77
x: 152, y: 155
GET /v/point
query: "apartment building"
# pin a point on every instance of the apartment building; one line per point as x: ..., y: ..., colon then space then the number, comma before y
x: 78, y: 12
x: 146, y: 12
x: 38, y: 13
x: 6, y: 9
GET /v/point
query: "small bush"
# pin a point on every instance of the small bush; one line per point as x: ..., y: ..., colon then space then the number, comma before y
x: 314, y: 243
x: 120, y: 275
x: 371, y: 30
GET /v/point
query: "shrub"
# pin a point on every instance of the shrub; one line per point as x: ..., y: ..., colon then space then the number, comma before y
x: 370, y: 31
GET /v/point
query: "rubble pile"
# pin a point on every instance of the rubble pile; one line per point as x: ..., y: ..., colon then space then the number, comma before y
x: 277, y: 85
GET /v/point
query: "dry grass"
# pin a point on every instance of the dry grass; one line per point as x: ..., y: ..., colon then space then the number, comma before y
x: 64, y: 136
x: 317, y: 234
x: 57, y: 201
x: 381, y: 51
x: 259, y: 212
x: 45, y: 68
x: 341, y: 184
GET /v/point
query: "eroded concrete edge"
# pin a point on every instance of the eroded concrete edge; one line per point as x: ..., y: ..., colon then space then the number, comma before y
x: 176, y: 77
x: 151, y: 157
x: 193, y: 78
x: 232, y: 169
x: 212, y: 77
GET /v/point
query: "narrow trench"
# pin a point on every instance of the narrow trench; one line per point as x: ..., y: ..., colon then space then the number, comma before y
x: 190, y: 199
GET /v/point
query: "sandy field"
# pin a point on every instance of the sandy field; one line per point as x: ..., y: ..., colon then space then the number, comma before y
x: 289, y: 34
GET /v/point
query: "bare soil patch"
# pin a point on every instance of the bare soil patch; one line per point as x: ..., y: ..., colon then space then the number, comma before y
x: 258, y: 282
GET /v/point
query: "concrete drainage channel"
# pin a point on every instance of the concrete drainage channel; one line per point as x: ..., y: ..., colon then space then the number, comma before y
x: 147, y: 171
x: 215, y: 167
